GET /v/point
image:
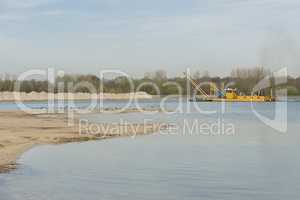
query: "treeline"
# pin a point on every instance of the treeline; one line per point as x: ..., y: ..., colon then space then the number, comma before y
x: 242, y: 79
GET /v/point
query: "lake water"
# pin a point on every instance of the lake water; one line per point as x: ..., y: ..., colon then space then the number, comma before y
x: 255, y: 162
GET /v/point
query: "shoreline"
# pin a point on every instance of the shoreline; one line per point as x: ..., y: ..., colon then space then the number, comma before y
x: 44, y: 96
x: 20, y: 131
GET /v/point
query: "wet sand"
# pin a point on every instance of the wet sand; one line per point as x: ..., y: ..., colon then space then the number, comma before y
x: 20, y: 131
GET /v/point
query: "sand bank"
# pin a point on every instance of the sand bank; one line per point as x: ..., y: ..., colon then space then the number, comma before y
x: 20, y: 131
x: 41, y: 96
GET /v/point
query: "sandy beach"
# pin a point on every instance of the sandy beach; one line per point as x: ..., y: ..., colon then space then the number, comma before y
x: 19, y: 131
x: 41, y: 96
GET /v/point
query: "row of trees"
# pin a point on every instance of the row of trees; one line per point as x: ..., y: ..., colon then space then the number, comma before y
x: 244, y: 80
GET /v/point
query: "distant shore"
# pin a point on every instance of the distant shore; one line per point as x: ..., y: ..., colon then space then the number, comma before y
x: 41, y: 96
x: 20, y: 131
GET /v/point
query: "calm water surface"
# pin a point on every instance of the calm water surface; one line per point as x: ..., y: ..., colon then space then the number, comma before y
x: 257, y: 162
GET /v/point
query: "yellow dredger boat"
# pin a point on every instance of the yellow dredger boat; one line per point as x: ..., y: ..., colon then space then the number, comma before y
x: 232, y: 96
x: 229, y: 95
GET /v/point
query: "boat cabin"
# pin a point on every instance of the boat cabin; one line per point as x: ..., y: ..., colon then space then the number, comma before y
x: 231, y: 93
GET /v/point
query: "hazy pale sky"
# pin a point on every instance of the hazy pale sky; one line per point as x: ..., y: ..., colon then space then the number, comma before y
x: 144, y: 35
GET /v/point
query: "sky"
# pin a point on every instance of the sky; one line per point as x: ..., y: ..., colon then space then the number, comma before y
x: 138, y: 36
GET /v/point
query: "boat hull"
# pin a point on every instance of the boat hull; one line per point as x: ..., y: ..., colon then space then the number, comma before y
x: 238, y: 99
